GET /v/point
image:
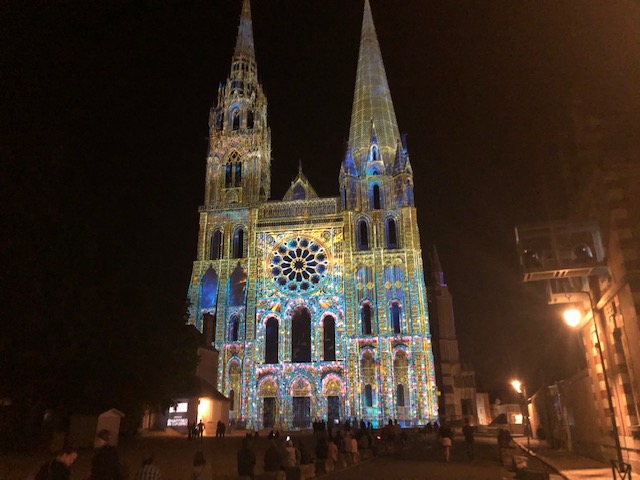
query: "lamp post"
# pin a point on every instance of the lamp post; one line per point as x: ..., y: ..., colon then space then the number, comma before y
x: 519, y: 387
x: 572, y: 318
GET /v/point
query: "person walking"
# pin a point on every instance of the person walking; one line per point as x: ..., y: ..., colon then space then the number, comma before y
x: 60, y: 467
x: 469, y: 431
x: 106, y: 464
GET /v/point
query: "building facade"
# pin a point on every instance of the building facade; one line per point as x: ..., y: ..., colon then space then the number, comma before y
x: 317, y: 306
x: 590, y: 260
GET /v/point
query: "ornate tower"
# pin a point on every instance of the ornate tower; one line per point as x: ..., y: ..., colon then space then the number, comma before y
x: 391, y: 368
x: 239, y: 160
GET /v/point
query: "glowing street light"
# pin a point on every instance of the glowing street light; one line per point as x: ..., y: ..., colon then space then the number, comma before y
x: 517, y: 386
x: 572, y: 317
x: 520, y: 388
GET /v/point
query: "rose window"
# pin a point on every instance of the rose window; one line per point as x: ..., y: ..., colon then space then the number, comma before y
x: 299, y: 265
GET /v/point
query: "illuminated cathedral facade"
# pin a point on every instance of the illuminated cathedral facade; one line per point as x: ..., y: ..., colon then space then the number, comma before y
x: 317, y: 306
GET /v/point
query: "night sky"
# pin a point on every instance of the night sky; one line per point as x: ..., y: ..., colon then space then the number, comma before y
x: 104, y: 111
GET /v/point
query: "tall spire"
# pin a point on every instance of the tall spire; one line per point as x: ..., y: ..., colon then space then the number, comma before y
x: 372, y: 98
x: 244, y: 52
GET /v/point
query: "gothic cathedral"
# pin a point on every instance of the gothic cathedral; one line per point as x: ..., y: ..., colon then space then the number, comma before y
x: 317, y: 306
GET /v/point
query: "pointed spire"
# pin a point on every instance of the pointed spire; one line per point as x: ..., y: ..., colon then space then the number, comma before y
x: 244, y: 51
x: 436, y: 267
x: 398, y: 162
x: 372, y: 98
x: 348, y: 166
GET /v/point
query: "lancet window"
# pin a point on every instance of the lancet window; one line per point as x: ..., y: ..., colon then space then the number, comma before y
x: 329, y: 337
x: 271, y: 341
x: 365, y: 316
x: 391, y: 232
x: 233, y: 170
x: 238, y: 243
x: 396, y: 317
x: 376, y: 200
x: 363, y: 235
x: 215, y: 252
x: 301, y: 336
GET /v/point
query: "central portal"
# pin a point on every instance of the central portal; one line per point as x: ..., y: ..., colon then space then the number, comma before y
x: 301, y: 412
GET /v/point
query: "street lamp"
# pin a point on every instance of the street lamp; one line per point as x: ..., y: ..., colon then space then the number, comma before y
x: 521, y: 389
x: 572, y: 318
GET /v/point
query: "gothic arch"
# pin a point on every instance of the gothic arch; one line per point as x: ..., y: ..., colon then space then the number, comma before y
x: 268, y: 387
x: 271, y: 340
x: 238, y: 243
x: 376, y: 197
x: 216, y: 244
x: 329, y: 338
x: 366, y: 317
x: 362, y: 234
x: 237, y: 285
x: 301, y: 335
x: 209, y: 289
x: 395, y: 312
x: 391, y: 232
x: 332, y: 385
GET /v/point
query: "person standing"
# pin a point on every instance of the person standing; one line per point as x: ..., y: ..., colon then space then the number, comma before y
x: 200, y: 429
x: 60, y: 467
x: 446, y: 440
x: 106, y: 464
x: 246, y: 460
x: 469, y: 431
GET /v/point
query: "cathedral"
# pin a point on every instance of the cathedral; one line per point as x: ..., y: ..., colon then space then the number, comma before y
x: 317, y: 306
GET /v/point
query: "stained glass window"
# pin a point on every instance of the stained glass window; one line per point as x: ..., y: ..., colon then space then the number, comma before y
x: 299, y: 265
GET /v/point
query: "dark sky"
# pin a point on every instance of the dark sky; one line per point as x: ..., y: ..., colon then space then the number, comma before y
x: 106, y: 105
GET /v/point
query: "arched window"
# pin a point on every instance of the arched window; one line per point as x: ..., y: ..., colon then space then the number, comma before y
x: 395, y: 317
x: 301, y: 336
x: 238, y: 243
x: 363, y: 235
x: 235, y: 120
x: 215, y: 252
x: 227, y: 175
x: 400, y: 395
x: 329, y: 334
x: 238, y: 283
x: 298, y: 192
x: 232, y: 397
x: 365, y: 314
x: 409, y: 194
x: 238, y: 176
x: 209, y: 289
x: 234, y: 327
x: 374, y: 154
x: 392, y: 233
x: 271, y: 341
x: 368, y: 395
x: 375, y: 197
x: 250, y: 119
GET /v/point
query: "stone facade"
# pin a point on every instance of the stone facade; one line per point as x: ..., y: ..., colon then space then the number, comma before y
x: 318, y: 306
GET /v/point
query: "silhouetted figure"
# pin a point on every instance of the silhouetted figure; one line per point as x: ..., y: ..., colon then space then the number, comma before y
x: 106, y: 463
x: 246, y: 459
x: 272, y: 458
x: 148, y: 471
x: 59, y: 468
x: 446, y: 440
x: 200, y: 429
x: 468, y: 431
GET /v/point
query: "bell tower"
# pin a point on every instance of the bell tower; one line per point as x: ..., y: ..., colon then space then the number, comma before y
x: 239, y: 158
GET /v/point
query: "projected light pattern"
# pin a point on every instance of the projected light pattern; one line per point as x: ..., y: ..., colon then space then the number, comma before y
x: 299, y: 265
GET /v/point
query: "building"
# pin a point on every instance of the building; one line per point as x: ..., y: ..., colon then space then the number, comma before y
x: 590, y: 260
x: 318, y: 306
x: 457, y: 399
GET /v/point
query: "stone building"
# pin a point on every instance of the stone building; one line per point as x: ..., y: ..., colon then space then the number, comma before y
x: 318, y: 306
x: 591, y: 260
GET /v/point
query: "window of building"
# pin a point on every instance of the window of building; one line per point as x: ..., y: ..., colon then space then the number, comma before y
x: 400, y: 395
x: 234, y: 327
x: 329, y: 334
x: 301, y: 336
x: 238, y: 243
x: 365, y: 314
x: 238, y: 283
x: 215, y: 252
x: 209, y: 289
x: 299, y: 192
x: 271, y: 341
x: 237, y: 180
x: 250, y: 119
x: 391, y: 233
x: 363, y: 235
x: 235, y: 120
x: 227, y: 175
x: 368, y: 395
x: 396, y: 317
x: 375, y: 197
